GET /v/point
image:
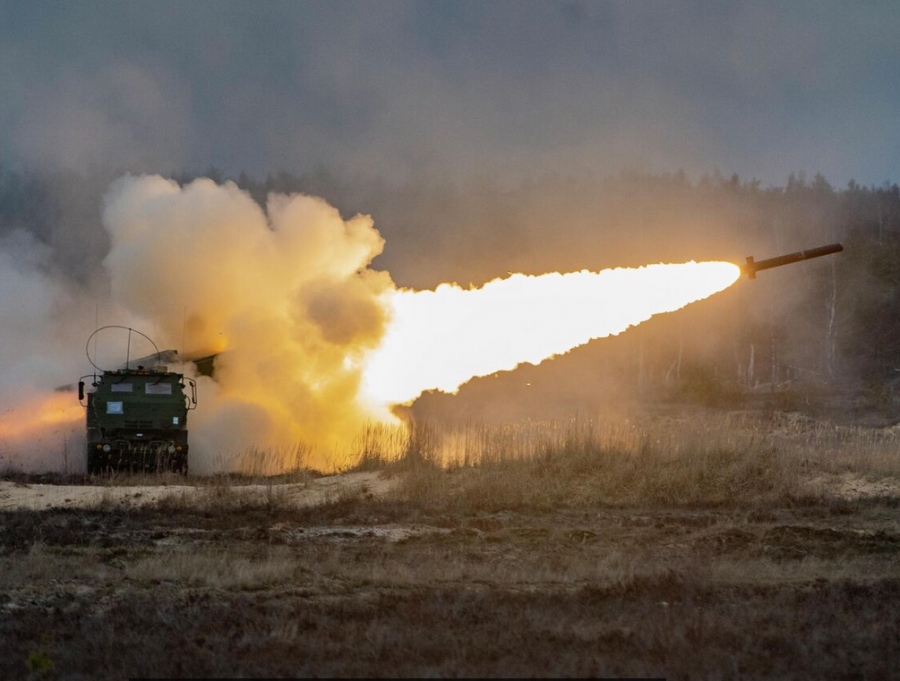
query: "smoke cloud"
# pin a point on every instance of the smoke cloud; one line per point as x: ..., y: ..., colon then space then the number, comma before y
x: 39, y: 319
x: 284, y: 295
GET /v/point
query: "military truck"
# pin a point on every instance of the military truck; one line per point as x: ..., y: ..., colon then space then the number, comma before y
x: 136, y: 418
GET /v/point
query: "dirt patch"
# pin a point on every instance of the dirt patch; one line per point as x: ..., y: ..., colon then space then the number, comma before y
x: 852, y: 486
x: 39, y: 497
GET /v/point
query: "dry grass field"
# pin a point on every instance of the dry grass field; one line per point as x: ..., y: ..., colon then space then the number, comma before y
x: 757, y: 545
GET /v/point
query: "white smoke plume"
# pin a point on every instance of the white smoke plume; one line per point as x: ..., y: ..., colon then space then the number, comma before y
x: 286, y: 295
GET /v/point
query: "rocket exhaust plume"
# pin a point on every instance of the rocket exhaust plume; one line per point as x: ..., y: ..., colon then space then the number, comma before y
x: 311, y: 344
x: 440, y: 339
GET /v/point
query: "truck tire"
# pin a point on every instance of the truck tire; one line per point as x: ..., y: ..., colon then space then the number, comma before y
x: 93, y: 465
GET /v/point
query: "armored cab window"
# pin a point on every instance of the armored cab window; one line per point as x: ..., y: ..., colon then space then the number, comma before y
x: 114, y: 408
x: 159, y: 389
x: 121, y: 387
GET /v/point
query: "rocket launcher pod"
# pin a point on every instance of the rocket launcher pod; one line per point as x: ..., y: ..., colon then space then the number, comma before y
x: 752, y: 266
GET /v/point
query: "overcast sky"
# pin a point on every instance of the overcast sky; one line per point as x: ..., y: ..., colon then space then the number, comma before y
x: 504, y: 90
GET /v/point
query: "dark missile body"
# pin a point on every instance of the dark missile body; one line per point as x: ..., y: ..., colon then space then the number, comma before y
x: 752, y: 267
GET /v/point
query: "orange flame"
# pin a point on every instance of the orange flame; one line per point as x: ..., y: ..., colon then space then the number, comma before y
x: 32, y: 418
x: 442, y: 338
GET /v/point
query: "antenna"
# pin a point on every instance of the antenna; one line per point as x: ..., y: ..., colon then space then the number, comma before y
x: 87, y: 345
x: 128, y: 350
x: 96, y: 325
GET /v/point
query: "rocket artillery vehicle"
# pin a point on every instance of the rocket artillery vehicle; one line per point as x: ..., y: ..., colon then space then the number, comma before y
x: 752, y: 266
x: 136, y: 418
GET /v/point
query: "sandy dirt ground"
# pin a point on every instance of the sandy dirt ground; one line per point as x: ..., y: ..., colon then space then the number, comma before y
x: 852, y: 486
x: 37, y: 497
x: 100, y: 584
x: 18, y: 495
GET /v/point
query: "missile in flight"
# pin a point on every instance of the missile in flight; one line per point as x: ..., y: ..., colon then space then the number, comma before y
x: 753, y: 266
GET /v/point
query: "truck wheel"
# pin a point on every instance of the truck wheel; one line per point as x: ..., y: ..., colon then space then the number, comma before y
x: 93, y: 466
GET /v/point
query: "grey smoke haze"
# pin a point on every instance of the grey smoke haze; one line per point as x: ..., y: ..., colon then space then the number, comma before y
x: 454, y: 89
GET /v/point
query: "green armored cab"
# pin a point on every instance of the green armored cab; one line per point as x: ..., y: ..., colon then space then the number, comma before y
x: 137, y: 419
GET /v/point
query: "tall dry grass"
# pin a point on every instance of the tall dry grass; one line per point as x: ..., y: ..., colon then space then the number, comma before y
x: 707, y: 459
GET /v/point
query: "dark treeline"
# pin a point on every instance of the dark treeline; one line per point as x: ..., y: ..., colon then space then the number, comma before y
x: 797, y: 334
